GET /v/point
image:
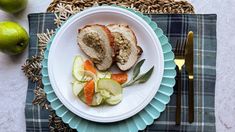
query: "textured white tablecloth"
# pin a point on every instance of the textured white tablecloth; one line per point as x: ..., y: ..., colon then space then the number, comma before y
x: 13, y: 84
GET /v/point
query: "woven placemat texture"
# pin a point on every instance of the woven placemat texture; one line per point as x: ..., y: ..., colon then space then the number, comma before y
x: 144, y: 6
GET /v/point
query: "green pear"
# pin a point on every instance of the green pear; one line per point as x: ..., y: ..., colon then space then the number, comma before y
x: 13, y: 38
x: 13, y: 6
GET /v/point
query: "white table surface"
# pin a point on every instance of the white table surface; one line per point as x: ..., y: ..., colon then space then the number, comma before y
x: 13, y: 83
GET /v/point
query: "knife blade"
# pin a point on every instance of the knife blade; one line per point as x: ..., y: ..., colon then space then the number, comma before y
x: 189, y: 58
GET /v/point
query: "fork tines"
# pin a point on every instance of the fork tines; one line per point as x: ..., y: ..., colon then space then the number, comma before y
x: 180, y: 47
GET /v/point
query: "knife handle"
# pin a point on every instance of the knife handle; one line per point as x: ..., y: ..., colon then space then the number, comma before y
x: 178, y: 99
x: 190, y: 101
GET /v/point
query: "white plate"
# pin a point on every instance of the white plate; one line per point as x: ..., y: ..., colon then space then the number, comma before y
x: 64, y: 48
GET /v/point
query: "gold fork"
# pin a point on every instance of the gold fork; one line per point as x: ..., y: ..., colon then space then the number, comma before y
x: 179, y: 61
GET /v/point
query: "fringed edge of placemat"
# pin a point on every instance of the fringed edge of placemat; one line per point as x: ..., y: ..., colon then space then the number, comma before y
x: 144, y: 6
x: 63, y: 9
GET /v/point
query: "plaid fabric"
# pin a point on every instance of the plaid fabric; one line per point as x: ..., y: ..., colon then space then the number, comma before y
x: 175, y: 27
x: 36, y: 118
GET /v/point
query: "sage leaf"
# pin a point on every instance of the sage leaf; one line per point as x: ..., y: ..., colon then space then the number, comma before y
x: 137, y: 67
x: 128, y: 84
x: 145, y: 77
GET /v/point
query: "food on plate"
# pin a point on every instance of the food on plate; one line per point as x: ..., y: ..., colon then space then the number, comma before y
x: 114, y: 99
x: 78, y: 67
x: 92, y: 86
x: 136, y: 78
x: 109, y: 85
x: 88, y: 65
x: 105, y: 74
x: 96, y: 42
x: 77, y: 87
x: 126, y: 49
x: 120, y: 77
x: 97, y: 99
x: 106, y: 44
x: 89, y: 90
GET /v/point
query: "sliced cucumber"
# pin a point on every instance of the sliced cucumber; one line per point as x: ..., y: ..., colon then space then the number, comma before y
x: 109, y: 85
x: 97, y: 99
x: 77, y: 87
x: 114, y: 99
x: 77, y: 67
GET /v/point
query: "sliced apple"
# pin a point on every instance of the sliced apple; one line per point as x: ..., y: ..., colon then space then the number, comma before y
x: 77, y: 87
x: 109, y: 85
x: 104, y: 74
x: 97, y: 99
x: 113, y: 100
x: 105, y: 94
x: 87, y: 75
x: 77, y: 68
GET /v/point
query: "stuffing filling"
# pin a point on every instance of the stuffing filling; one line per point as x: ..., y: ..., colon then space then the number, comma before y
x: 123, y: 50
x: 93, y: 41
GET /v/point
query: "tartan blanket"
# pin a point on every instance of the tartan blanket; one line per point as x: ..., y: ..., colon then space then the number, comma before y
x: 175, y: 27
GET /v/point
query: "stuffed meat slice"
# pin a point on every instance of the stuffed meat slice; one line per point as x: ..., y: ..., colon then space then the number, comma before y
x: 126, y: 50
x: 96, y: 42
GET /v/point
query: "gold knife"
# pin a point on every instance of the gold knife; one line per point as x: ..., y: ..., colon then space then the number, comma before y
x: 189, y: 67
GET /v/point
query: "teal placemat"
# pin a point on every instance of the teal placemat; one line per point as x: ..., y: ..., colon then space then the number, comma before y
x: 175, y: 27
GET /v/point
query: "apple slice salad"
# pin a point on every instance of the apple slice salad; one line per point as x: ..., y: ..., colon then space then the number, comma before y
x: 94, y: 87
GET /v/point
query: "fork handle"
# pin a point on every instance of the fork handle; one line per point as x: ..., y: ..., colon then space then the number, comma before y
x: 178, y: 99
x: 190, y: 101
